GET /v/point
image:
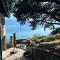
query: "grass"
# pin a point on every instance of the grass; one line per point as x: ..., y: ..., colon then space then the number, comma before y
x: 53, y: 42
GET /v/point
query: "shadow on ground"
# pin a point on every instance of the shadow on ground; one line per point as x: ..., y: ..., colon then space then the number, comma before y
x: 22, y: 58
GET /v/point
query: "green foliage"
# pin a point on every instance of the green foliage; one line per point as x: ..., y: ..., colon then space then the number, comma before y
x: 55, y: 31
x: 57, y: 36
x: 37, y: 38
x: 34, y: 37
x: 40, y: 12
x: 50, y: 38
x: 40, y: 37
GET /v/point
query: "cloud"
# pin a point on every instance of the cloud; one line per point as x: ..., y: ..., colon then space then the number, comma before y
x: 48, y: 30
x: 10, y: 18
x: 57, y: 26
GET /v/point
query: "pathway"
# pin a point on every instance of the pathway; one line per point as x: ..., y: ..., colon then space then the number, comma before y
x: 17, y: 56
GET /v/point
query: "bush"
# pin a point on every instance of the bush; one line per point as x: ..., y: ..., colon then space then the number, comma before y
x: 57, y: 36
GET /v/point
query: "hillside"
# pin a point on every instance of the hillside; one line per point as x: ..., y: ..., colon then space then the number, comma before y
x: 51, y: 42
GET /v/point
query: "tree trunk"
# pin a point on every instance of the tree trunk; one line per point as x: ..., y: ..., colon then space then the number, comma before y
x: 0, y: 45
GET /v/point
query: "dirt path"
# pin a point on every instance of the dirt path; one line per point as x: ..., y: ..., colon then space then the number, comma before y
x: 17, y: 56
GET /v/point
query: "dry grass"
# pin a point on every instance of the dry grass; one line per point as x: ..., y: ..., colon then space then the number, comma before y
x: 53, y: 42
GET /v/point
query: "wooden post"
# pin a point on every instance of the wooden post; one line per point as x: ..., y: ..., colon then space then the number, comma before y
x: 11, y: 41
x: 0, y: 45
x: 14, y: 38
x: 3, y: 43
x: 4, y: 39
x: 1, y: 33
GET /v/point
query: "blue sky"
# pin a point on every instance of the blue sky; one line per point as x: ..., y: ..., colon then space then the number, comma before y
x: 24, y: 31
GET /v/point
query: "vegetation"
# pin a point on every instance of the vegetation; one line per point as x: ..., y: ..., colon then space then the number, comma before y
x: 36, y: 12
x: 55, y: 31
x: 37, y: 37
x: 34, y: 37
x: 50, y: 38
x: 52, y: 41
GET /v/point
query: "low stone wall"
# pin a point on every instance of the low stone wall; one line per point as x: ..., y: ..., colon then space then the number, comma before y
x: 38, y: 54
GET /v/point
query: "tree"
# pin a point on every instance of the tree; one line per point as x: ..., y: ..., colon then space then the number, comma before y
x: 34, y: 37
x: 55, y: 31
x: 37, y: 12
x: 40, y: 37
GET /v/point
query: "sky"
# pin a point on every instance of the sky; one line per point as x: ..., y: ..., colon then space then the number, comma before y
x: 24, y: 31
